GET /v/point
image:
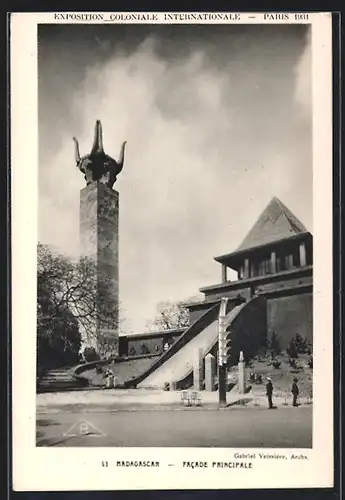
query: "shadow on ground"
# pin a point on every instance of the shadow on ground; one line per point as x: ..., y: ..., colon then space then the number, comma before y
x: 40, y: 436
x: 53, y: 442
x: 240, y: 402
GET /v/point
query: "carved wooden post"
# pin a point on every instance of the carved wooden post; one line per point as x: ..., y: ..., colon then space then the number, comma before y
x: 224, y: 273
x: 273, y: 263
x: 302, y: 255
x: 246, y: 268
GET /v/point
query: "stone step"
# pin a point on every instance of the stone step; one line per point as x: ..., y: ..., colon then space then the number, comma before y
x: 55, y: 387
x: 59, y: 380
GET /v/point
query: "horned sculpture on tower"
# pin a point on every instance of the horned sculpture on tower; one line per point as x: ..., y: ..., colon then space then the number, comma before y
x: 98, y: 166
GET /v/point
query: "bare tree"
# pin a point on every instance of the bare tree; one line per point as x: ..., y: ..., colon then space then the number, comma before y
x: 172, y: 315
x: 76, y: 285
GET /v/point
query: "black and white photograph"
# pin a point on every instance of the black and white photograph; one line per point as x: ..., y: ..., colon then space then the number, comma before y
x: 174, y: 242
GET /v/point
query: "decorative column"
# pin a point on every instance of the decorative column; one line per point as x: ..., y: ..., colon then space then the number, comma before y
x: 262, y: 268
x: 222, y: 353
x: 210, y: 372
x: 99, y: 241
x: 289, y: 261
x: 241, y: 375
x: 273, y: 263
x: 198, y: 369
x: 246, y: 268
x: 224, y: 273
x: 302, y: 255
x: 253, y: 269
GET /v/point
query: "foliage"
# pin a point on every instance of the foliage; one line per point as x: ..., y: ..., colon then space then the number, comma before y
x: 301, y: 344
x: 291, y: 350
x: 106, y: 346
x: 298, y: 345
x: 62, y: 282
x: 58, y: 337
x: 274, y: 344
x: 90, y: 354
x: 293, y: 363
x: 66, y: 289
x: 171, y: 315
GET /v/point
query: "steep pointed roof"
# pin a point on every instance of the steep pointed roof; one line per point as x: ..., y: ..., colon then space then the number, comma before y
x: 275, y: 223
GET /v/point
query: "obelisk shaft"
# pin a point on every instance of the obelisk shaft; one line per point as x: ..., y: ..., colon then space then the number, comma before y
x: 99, y: 241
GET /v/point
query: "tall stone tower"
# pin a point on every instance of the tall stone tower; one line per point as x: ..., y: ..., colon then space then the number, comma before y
x: 99, y: 240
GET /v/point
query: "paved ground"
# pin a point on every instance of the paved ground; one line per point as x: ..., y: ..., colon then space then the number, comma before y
x: 120, y: 398
x: 284, y: 427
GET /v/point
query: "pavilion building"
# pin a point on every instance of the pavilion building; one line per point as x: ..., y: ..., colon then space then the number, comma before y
x: 275, y: 260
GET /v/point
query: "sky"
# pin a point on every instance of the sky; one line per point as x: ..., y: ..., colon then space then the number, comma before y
x: 217, y: 120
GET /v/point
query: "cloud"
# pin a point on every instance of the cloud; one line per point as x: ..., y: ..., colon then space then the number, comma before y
x: 207, y: 149
x: 303, y: 72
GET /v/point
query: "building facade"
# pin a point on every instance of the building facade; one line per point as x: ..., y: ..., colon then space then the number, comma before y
x: 275, y: 260
x: 148, y: 343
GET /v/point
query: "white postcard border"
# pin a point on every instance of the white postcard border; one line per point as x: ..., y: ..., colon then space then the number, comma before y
x: 80, y: 468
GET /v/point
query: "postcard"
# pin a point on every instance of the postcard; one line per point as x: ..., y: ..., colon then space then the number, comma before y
x: 172, y: 318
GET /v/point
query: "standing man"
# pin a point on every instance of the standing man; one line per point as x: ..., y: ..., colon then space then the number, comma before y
x: 295, y: 392
x: 269, y: 392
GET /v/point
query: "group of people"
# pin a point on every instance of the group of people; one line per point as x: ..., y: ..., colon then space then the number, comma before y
x: 269, y: 392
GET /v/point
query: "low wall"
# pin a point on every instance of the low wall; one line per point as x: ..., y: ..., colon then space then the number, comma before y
x: 287, y: 316
x: 152, y: 342
x: 90, y: 365
x: 78, y: 370
x: 87, y: 366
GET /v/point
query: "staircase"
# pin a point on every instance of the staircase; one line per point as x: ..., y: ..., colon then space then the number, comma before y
x: 175, y: 366
x: 123, y: 371
x: 59, y: 380
x: 180, y: 365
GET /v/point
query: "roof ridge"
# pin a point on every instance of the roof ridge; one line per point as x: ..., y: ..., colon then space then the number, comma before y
x: 270, y: 226
x: 294, y: 221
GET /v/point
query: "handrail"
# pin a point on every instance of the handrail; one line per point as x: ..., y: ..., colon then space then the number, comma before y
x: 91, y: 364
x: 230, y: 317
x: 188, y: 335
